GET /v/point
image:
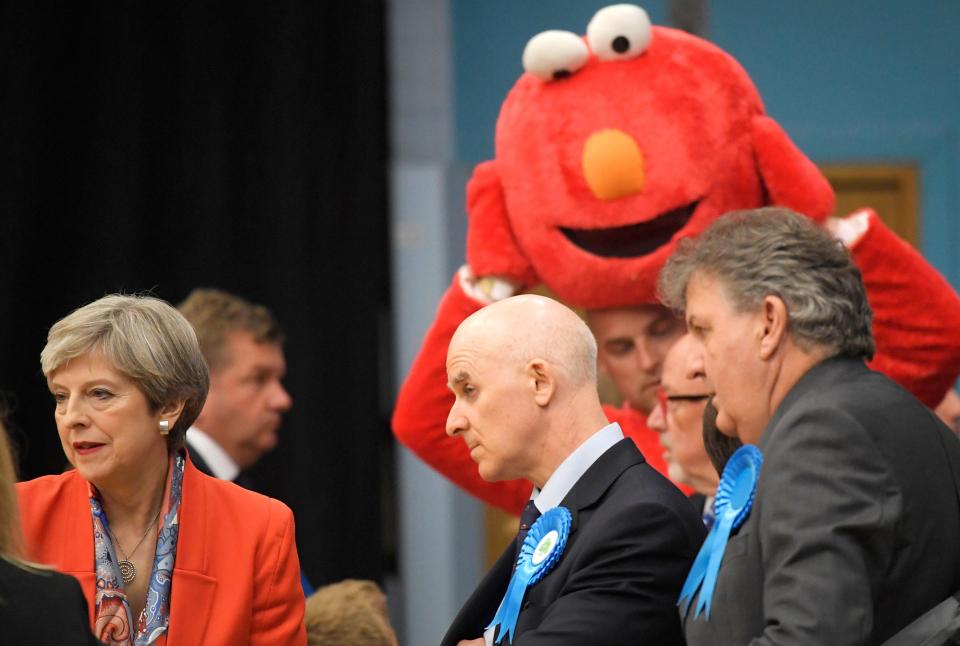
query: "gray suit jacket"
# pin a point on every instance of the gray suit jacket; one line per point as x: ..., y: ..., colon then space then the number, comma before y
x: 855, y: 530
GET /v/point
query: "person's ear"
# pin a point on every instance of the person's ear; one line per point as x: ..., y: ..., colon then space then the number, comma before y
x: 774, y: 323
x: 543, y: 382
x: 171, y: 413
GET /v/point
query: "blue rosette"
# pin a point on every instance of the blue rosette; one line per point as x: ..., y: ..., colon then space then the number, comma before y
x: 541, y: 550
x: 738, y: 486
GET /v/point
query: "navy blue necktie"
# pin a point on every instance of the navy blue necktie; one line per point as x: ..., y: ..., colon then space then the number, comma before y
x: 709, y: 514
x: 527, y: 519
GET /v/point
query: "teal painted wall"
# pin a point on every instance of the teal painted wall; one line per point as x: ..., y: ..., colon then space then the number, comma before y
x: 856, y: 80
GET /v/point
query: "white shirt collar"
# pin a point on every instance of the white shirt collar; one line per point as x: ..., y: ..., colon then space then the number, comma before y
x: 576, y: 464
x: 222, y: 466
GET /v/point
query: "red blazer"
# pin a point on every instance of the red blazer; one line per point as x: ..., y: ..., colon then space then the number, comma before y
x: 236, y: 579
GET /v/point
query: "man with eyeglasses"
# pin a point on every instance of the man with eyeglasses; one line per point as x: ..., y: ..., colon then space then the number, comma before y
x: 678, y: 418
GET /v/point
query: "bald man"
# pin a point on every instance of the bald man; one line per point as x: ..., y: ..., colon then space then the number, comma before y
x: 523, y: 372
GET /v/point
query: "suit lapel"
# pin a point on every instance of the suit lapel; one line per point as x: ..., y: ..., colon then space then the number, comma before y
x: 604, y: 472
x: 479, y: 609
x: 192, y: 592
x: 77, y: 555
x: 584, y: 494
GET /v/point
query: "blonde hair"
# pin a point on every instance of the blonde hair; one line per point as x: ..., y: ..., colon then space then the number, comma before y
x: 12, y: 547
x: 350, y: 612
x: 146, y: 339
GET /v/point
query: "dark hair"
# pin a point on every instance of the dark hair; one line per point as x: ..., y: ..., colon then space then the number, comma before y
x: 719, y: 446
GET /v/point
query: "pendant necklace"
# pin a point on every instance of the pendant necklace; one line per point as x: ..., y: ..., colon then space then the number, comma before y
x: 128, y: 571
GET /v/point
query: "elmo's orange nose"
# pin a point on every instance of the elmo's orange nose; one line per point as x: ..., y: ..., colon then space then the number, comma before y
x: 612, y: 164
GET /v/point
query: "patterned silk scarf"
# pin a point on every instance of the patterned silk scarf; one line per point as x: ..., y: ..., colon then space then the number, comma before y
x: 114, y: 619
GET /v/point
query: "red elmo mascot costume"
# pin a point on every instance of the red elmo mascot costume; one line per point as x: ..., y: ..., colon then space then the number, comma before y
x: 609, y: 149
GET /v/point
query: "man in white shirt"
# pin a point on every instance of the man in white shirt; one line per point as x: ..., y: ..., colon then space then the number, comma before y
x: 524, y: 374
x: 243, y: 346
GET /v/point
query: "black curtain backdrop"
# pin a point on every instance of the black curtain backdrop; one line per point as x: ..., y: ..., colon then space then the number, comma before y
x: 166, y: 145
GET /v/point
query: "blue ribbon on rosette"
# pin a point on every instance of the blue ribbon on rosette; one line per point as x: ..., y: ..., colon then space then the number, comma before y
x: 541, y: 550
x: 738, y: 485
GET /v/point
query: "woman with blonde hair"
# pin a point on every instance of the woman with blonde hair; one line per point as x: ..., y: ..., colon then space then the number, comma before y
x: 164, y: 553
x: 36, y: 606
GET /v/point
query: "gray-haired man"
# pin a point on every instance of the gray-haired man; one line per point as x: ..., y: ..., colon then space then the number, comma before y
x: 854, y: 528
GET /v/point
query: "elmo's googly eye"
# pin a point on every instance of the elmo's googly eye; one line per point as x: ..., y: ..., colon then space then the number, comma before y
x: 619, y: 32
x: 553, y: 55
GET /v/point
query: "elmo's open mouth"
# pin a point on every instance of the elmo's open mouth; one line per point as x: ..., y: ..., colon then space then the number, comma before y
x: 632, y: 240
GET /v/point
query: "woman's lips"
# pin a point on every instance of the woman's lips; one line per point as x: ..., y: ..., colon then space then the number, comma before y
x: 87, y: 448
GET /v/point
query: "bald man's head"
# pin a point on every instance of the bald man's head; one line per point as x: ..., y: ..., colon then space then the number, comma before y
x: 524, y: 374
x: 524, y: 327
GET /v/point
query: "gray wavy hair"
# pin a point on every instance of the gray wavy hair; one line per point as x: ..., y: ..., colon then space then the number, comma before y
x: 146, y: 339
x: 775, y: 251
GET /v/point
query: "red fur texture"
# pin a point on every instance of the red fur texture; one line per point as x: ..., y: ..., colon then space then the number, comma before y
x: 699, y: 124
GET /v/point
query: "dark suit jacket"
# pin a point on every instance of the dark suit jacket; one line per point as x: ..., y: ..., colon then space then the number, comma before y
x: 198, y: 460
x: 39, y: 607
x: 698, y: 500
x: 855, y: 529
x: 633, y: 538
x: 243, y: 479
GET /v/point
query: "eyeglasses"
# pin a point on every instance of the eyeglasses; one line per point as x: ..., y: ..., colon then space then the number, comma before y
x: 665, y: 400
x: 687, y: 398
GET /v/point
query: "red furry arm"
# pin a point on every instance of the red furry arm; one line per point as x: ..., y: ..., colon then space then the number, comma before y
x: 424, y: 402
x: 790, y: 178
x: 492, y: 249
x: 916, y: 314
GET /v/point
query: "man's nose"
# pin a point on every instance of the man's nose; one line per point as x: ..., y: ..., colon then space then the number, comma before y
x: 456, y: 422
x: 694, y: 367
x: 280, y: 399
x: 657, y: 419
x: 647, y: 357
